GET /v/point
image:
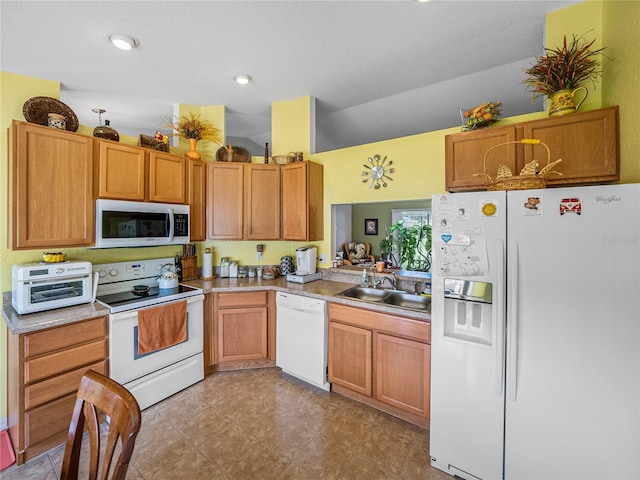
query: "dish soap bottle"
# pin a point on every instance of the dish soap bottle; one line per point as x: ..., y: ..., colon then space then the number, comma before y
x: 364, y: 282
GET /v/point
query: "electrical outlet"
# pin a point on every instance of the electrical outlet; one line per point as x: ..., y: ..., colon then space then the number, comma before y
x: 322, y: 257
x: 258, y: 255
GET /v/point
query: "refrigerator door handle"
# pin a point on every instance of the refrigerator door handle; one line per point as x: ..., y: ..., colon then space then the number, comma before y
x: 512, y: 315
x: 499, y: 318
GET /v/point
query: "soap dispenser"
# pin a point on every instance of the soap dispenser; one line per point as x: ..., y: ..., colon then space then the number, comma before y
x: 365, y: 279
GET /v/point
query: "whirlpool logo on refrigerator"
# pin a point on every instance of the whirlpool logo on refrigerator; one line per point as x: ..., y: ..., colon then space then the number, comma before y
x: 609, y: 199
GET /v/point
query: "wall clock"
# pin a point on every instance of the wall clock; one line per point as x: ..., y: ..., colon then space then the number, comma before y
x: 377, y: 171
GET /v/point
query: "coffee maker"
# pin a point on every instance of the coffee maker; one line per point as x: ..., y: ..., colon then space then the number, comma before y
x: 306, y: 260
x: 305, y: 266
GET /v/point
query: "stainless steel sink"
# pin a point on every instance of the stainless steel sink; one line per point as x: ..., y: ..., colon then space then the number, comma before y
x: 397, y: 298
x: 408, y: 300
x: 364, y: 293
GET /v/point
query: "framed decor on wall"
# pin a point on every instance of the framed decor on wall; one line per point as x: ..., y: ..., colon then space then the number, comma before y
x: 371, y: 226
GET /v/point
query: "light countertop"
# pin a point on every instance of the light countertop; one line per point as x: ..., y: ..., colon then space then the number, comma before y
x: 321, y: 289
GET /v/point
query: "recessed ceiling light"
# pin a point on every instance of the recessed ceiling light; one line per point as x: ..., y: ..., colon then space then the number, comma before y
x: 242, y: 79
x: 123, y: 42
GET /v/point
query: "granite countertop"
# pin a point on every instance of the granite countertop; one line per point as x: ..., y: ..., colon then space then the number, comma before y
x: 49, y: 318
x: 321, y: 289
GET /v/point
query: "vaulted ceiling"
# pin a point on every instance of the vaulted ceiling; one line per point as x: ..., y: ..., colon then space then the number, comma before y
x: 378, y: 69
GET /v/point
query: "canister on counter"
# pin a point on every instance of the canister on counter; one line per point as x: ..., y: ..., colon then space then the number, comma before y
x: 224, y: 267
x: 233, y: 270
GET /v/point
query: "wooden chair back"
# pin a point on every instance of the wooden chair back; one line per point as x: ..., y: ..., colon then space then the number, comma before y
x: 100, y: 394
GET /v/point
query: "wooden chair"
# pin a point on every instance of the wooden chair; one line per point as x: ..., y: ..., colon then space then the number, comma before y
x: 98, y: 393
x: 356, y: 253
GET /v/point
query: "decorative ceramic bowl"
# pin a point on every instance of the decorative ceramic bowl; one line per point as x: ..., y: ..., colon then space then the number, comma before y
x: 54, y: 257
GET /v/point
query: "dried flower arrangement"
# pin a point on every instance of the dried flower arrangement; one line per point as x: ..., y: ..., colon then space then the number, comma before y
x: 191, y: 127
x: 565, y: 67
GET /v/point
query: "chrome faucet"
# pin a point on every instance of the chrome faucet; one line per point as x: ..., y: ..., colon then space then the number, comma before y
x: 374, y: 282
x: 393, y: 280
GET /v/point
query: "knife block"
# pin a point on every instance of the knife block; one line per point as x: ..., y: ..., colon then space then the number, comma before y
x: 189, y: 267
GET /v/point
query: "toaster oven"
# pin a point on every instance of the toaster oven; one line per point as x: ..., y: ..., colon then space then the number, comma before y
x: 43, y: 286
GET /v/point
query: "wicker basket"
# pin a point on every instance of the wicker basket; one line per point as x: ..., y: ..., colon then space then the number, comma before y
x: 529, y: 177
x: 283, y: 159
x: 239, y: 155
x: 189, y: 268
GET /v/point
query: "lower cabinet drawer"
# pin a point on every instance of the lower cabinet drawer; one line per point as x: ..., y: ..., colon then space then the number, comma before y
x: 57, y: 338
x: 48, y: 420
x: 48, y: 365
x: 244, y: 299
x: 52, y: 388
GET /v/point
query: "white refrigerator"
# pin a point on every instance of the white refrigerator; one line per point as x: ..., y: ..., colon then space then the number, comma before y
x: 536, y: 334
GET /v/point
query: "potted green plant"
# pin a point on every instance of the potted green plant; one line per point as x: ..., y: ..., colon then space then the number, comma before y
x: 562, y: 71
x: 413, y: 245
x: 386, y: 247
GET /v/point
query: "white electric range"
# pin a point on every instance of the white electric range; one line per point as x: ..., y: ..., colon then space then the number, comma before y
x: 154, y: 376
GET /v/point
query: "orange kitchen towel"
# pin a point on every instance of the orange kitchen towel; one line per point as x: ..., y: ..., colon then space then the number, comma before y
x: 161, y: 327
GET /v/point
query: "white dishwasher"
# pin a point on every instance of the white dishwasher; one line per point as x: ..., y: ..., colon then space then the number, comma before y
x: 301, y: 338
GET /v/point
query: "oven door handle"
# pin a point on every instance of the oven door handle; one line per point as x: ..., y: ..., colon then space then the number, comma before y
x: 171, y: 224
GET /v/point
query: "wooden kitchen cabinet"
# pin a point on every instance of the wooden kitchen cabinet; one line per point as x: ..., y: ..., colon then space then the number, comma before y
x: 127, y: 172
x: 243, y: 201
x: 122, y: 171
x: 244, y: 330
x: 196, y: 198
x: 224, y: 201
x: 242, y: 333
x: 302, y: 201
x: 465, y: 151
x: 381, y: 359
x: 53, y: 199
x: 261, y: 202
x: 167, y: 178
x: 587, y: 143
x: 44, y: 373
x: 403, y: 373
x: 350, y: 357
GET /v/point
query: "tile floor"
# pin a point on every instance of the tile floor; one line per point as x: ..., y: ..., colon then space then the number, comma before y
x: 262, y: 424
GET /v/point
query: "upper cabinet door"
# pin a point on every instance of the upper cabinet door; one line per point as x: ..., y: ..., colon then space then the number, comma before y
x: 224, y: 200
x: 464, y: 154
x: 196, y: 195
x: 302, y: 201
x: 53, y: 197
x: 587, y: 143
x: 261, y: 202
x: 167, y: 178
x: 121, y: 171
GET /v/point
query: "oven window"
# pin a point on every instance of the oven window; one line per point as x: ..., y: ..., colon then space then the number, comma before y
x: 56, y: 291
x: 134, y: 224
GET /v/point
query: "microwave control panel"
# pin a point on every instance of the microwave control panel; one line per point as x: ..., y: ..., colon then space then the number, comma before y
x: 181, y: 225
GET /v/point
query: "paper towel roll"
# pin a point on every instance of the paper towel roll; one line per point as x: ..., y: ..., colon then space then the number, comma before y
x: 207, y: 265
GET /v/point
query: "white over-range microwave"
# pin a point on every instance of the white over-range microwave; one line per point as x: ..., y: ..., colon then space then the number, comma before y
x: 122, y: 223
